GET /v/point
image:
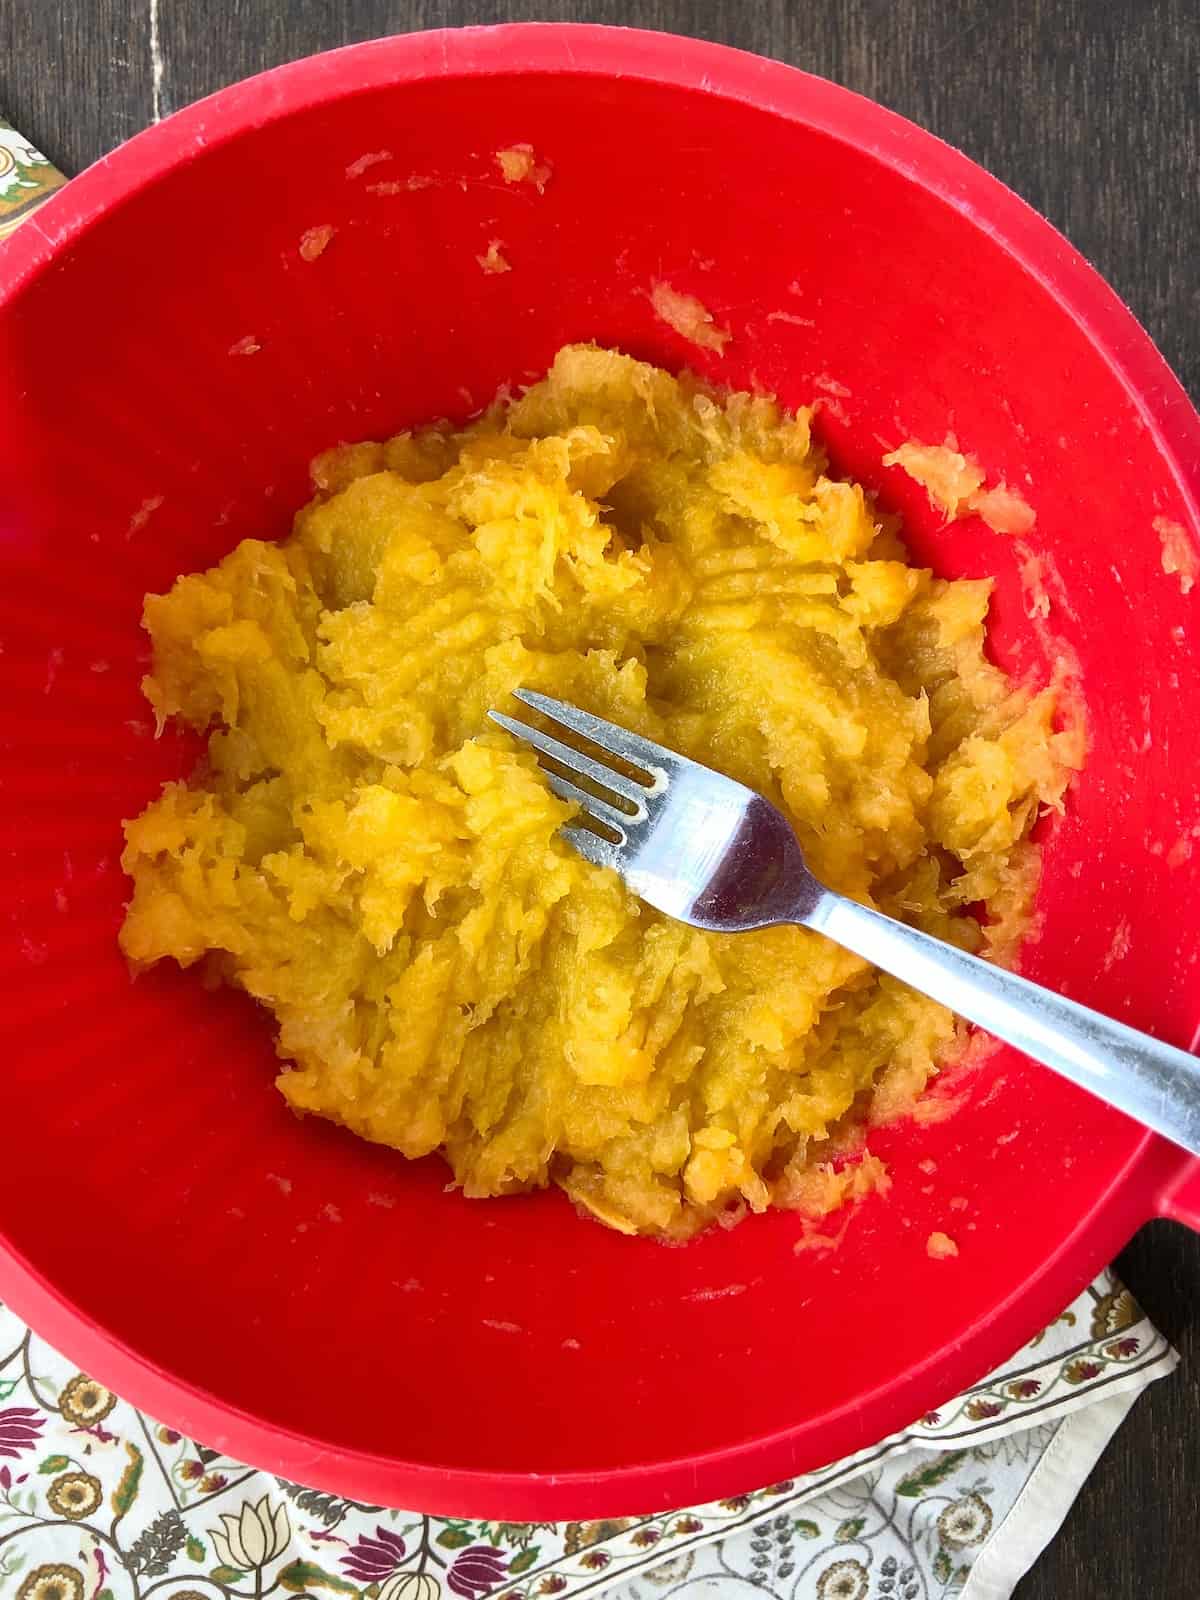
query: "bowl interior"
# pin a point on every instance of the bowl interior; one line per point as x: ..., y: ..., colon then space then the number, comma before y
x: 150, y: 1171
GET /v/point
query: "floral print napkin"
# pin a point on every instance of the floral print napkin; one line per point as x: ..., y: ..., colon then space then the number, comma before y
x: 27, y: 179
x: 100, y: 1502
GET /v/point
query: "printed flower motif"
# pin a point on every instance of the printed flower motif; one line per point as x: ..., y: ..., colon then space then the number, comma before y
x: 736, y: 1502
x: 411, y: 1586
x: 373, y: 1560
x: 688, y: 1525
x: 190, y: 1470
x: 1024, y: 1388
x: 554, y: 1584
x: 844, y: 1580
x: 74, y: 1495
x: 580, y: 1535
x: 645, y: 1537
x: 595, y: 1560
x: 210, y: 1483
x: 1122, y: 1349
x: 1081, y: 1371
x: 169, y: 1436
x: 931, y: 1419
x: 52, y: 1583
x: 981, y: 1410
x: 1114, y: 1312
x: 965, y: 1522
x: 253, y: 1538
x: 19, y: 1429
x: 19, y: 164
x: 85, y: 1402
x: 476, y: 1571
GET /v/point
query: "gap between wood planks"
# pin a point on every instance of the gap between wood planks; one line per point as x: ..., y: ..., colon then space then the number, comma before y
x: 156, y: 65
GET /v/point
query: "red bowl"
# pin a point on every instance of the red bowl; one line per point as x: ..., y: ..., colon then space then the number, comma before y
x: 317, y: 1306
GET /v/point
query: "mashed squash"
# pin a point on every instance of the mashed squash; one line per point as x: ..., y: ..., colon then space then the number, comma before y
x: 379, y: 866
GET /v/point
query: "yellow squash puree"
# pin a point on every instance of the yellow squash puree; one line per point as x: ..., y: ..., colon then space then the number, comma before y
x: 380, y: 866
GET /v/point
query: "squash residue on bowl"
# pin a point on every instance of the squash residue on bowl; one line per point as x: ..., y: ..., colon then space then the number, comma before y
x: 378, y: 865
x: 955, y: 485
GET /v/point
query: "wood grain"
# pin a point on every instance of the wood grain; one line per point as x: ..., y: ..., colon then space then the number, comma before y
x: 1089, y: 110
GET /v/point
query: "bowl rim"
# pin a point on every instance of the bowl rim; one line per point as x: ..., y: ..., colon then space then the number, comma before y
x: 1153, y: 1169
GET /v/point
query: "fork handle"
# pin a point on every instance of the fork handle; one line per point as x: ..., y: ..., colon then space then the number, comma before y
x: 1151, y: 1081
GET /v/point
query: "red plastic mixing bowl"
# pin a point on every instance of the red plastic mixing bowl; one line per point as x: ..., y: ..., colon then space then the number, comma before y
x: 317, y: 1306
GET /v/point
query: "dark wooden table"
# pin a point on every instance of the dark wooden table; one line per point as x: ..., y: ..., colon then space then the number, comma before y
x: 1089, y: 109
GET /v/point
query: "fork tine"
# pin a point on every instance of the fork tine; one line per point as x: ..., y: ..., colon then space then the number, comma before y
x: 600, y: 810
x: 575, y: 761
x: 631, y: 747
x: 592, y: 847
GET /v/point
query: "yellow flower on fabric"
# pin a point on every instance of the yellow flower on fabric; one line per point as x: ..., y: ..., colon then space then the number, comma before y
x: 965, y: 1522
x: 52, y: 1583
x: 74, y: 1495
x: 844, y: 1580
x: 85, y: 1402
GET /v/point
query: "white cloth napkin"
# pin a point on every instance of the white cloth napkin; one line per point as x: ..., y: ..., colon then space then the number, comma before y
x: 962, y: 1504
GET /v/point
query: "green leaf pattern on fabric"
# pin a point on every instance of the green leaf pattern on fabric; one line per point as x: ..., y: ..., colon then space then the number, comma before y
x: 127, y: 1485
x: 298, y: 1576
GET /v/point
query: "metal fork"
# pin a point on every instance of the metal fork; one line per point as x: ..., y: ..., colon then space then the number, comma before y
x: 705, y: 849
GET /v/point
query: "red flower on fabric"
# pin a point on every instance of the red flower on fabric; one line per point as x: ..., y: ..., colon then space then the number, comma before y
x: 1024, y: 1388
x: 20, y: 1427
x: 373, y: 1560
x: 1081, y: 1371
x: 476, y: 1571
x: 980, y: 1410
